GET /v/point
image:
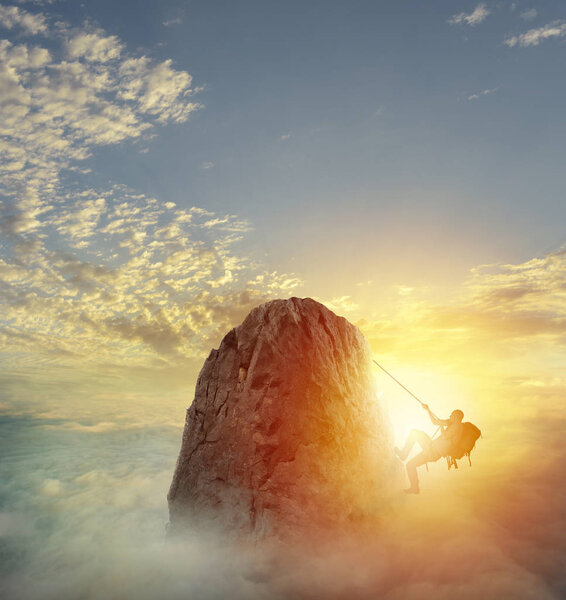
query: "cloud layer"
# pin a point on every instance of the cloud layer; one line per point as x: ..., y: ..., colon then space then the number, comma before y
x: 84, y: 514
x: 533, y: 37
x: 13, y: 17
x: 94, y: 276
x: 504, y: 303
x: 129, y: 280
x: 479, y: 14
x: 57, y: 105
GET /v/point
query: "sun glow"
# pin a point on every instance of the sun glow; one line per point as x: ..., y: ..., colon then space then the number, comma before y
x: 441, y: 392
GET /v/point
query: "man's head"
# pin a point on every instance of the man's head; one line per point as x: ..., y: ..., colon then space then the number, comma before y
x: 457, y: 416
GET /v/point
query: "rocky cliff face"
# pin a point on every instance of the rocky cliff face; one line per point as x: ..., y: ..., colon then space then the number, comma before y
x: 285, y: 434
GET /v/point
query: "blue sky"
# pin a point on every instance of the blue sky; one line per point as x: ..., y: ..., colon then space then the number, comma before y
x: 168, y: 166
x: 384, y: 130
x: 165, y: 159
x: 382, y: 134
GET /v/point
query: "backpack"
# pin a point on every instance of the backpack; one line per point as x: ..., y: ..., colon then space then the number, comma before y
x: 463, y: 447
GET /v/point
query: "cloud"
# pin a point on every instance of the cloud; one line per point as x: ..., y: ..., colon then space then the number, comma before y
x: 504, y: 302
x: 14, y: 524
x: 535, y: 285
x: 85, y: 516
x: 171, y: 22
x: 505, y: 320
x: 136, y: 279
x: 478, y: 15
x: 482, y: 93
x: 58, y: 104
x: 533, y: 37
x: 12, y: 16
x: 94, y: 47
x: 82, y: 223
x: 339, y: 305
x: 207, y: 164
x: 95, y: 527
x: 101, y: 427
x: 51, y: 487
x: 157, y: 89
x: 529, y: 15
x: 99, y: 276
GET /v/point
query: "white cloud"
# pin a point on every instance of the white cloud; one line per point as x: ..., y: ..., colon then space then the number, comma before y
x: 285, y: 136
x: 529, y: 15
x: 133, y: 279
x: 129, y: 278
x: 340, y: 305
x: 101, y: 534
x: 58, y: 104
x: 207, y: 164
x: 171, y: 22
x: 82, y: 223
x: 94, y: 47
x: 482, y: 93
x: 51, y: 487
x: 533, y: 37
x: 12, y: 16
x: 478, y: 15
x: 157, y: 89
x: 14, y: 524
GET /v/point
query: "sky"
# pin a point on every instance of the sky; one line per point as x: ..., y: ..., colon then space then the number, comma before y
x: 167, y: 166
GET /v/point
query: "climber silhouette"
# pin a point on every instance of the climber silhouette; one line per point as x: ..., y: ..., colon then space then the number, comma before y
x: 432, y: 450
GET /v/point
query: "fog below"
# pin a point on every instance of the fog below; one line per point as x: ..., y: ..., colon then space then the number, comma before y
x: 84, y: 514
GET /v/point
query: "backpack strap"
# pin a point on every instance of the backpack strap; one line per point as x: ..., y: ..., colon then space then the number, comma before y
x: 469, y: 457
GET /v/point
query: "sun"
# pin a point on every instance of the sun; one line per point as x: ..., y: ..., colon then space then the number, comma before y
x: 442, y: 393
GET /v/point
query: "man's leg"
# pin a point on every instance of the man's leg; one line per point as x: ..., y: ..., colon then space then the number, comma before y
x: 415, y: 437
x: 417, y: 461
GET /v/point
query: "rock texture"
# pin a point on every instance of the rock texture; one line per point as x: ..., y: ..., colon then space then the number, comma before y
x: 285, y: 434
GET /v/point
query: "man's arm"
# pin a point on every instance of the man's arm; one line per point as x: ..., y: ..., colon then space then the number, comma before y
x: 435, y: 420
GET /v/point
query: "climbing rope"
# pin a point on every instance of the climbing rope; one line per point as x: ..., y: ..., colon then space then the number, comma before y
x: 409, y: 392
x: 397, y: 381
